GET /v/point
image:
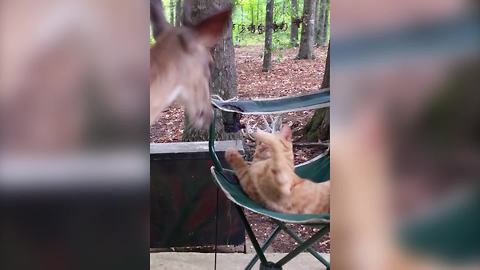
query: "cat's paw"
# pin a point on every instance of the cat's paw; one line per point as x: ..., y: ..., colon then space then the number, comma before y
x: 231, y: 154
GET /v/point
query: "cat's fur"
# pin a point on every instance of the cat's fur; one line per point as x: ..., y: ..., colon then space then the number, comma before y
x: 271, y: 180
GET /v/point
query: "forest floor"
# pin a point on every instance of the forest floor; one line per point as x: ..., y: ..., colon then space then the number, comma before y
x: 288, y: 77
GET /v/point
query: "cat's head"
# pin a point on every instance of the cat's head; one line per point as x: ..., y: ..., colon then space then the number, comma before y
x: 263, y: 151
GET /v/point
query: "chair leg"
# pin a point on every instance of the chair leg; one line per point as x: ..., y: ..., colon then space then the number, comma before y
x: 300, y: 241
x: 265, y: 245
x: 302, y: 246
x: 270, y: 266
x: 251, y: 235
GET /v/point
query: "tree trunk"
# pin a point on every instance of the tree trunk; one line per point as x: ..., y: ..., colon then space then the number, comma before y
x: 223, y: 81
x: 178, y: 13
x: 323, y: 23
x: 319, y: 20
x: 172, y: 12
x: 308, y: 31
x: 318, y: 128
x: 293, y: 26
x: 267, y: 51
x: 317, y: 16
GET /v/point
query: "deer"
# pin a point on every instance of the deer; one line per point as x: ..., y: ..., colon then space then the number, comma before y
x: 179, y: 63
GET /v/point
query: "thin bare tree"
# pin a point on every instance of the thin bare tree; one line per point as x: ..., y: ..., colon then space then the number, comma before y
x: 308, y: 30
x: 267, y: 51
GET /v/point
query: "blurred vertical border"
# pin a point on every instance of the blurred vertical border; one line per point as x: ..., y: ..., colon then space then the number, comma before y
x: 74, y: 152
x: 405, y: 128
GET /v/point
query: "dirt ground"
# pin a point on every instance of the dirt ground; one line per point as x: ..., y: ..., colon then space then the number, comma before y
x: 288, y: 77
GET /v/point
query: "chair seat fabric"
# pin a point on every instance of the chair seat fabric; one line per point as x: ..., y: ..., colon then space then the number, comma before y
x: 228, y: 182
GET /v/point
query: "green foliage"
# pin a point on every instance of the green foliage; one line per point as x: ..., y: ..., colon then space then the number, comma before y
x: 152, y: 41
x: 166, y: 9
x: 248, y: 12
x: 280, y: 39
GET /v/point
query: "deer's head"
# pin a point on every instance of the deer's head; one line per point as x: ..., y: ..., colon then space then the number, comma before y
x: 179, y: 65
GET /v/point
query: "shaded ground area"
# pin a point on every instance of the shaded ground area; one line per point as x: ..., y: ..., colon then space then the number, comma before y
x: 289, y: 77
x: 235, y: 261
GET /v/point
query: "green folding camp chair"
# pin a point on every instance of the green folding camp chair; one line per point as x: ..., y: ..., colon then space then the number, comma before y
x: 317, y: 170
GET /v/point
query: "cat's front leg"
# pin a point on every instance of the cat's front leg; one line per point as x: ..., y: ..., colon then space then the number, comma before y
x: 233, y: 157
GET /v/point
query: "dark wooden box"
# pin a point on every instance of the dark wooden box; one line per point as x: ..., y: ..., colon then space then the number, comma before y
x: 183, y: 198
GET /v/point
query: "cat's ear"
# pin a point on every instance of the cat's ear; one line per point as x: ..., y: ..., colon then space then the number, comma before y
x: 286, y: 133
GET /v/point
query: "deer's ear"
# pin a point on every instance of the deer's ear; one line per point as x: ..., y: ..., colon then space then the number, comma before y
x: 286, y: 133
x: 210, y: 30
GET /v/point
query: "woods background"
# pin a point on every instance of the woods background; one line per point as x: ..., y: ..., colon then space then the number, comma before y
x: 270, y: 30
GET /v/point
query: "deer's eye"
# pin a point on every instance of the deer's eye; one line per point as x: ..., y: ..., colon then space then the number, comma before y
x: 183, y: 43
x: 187, y: 42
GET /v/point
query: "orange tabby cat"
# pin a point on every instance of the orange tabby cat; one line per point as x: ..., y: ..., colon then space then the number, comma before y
x: 271, y: 180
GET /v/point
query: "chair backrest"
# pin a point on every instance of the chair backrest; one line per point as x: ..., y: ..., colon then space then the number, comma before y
x: 317, y: 169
